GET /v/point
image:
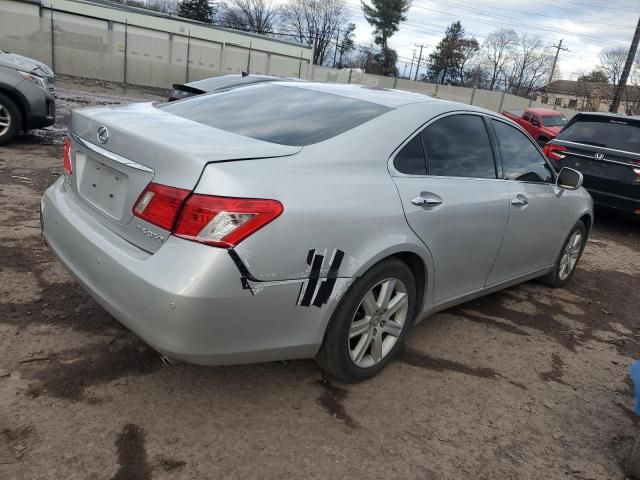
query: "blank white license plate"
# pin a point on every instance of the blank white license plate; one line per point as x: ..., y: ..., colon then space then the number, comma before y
x: 103, y: 186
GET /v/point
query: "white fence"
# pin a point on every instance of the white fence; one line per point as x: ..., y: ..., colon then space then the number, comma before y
x: 91, y: 47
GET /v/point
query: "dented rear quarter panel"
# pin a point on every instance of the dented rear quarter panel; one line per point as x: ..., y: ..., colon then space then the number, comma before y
x: 338, y: 196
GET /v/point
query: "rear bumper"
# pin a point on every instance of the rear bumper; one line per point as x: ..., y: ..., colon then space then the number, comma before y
x: 186, y: 300
x: 618, y: 202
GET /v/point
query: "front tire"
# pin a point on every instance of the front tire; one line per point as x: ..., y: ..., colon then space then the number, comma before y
x: 10, y: 120
x: 567, y: 261
x: 370, y: 322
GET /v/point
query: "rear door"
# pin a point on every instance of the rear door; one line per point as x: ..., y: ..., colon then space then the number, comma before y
x: 453, y: 200
x: 537, y: 213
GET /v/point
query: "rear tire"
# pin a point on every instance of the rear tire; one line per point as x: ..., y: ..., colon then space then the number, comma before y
x: 568, y: 257
x: 10, y: 120
x: 370, y: 322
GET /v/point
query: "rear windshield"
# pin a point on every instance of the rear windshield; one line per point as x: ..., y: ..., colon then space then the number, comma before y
x: 619, y: 134
x: 554, y: 121
x: 277, y: 113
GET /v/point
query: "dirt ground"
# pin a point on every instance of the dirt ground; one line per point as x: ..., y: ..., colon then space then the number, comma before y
x: 527, y: 383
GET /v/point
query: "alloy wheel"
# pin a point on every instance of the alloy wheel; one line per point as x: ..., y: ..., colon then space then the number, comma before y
x: 570, y: 255
x: 378, y: 322
x: 5, y: 120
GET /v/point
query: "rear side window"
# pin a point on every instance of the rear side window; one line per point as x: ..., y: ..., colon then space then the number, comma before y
x: 521, y: 160
x: 459, y: 146
x: 410, y: 159
x: 277, y: 113
x: 604, y: 132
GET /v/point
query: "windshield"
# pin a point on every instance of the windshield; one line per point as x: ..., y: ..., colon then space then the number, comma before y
x: 554, y: 121
x: 614, y: 133
x: 278, y: 113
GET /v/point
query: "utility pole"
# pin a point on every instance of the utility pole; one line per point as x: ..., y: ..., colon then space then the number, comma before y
x: 615, y: 104
x: 335, y: 52
x: 555, y: 60
x: 419, y: 59
x: 413, y: 57
x: 404, y: 72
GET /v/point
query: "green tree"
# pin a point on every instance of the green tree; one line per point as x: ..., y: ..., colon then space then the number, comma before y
x: 200, y: 10
x: 385, y: 17
x: 448, y: 61
x: 346, y: 44
x: 595, y: 76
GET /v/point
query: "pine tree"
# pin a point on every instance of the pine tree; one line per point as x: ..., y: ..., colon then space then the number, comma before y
x: 385, y: 17
x: 446, y: 56
x: 200, y: 10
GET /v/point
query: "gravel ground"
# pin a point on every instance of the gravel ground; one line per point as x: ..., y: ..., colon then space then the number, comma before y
x: 526, y: 383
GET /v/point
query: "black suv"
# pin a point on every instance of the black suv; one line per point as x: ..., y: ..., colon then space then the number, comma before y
x: 605, y: 147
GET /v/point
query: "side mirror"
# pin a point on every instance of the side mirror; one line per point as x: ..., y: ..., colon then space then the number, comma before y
x: 569, y: 178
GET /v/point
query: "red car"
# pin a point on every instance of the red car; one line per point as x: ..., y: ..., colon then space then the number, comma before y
x: 543, y: 124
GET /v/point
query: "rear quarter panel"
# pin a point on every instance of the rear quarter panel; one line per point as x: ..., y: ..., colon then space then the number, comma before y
x: 337, y: 195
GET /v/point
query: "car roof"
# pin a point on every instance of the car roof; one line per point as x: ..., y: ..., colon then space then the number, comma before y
x: 546, y: 111
x: 605, y: 115
x: 382, y: 96
x: 228, y: 81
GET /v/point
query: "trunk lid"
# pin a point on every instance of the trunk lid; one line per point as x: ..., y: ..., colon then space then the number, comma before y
x: 117, y: 151
x: 604, y: 169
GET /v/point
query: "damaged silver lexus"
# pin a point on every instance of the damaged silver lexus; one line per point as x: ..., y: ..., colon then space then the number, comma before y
x: 297, y: 220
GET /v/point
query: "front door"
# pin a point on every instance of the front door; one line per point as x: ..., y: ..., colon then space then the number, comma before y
x: 454, y: 201
x: 537, y: 215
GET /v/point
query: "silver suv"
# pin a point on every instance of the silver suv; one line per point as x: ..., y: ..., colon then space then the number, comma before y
x: 27, y: 97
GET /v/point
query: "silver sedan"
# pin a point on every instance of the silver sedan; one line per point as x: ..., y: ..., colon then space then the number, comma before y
x: 299, y: 220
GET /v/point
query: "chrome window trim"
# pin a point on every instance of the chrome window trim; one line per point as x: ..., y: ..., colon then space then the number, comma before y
x: 110, y: 155
x: 559, y: 141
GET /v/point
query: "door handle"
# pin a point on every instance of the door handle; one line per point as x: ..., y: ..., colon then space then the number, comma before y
x: 427, y: 200
x: 519, y: 201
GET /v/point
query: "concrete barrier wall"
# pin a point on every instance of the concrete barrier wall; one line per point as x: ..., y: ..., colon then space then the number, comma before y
x: 117, y: 50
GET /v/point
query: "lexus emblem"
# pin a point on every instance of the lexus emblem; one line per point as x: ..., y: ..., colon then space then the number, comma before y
x: 599, y: 156
x: 103, y: 134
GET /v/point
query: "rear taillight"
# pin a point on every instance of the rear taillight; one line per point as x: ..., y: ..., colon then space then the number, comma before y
x: 160, y: 205
x: 67, y: 155
x: 220, y: 221
x: 552, y: 152
x: 224, y: 221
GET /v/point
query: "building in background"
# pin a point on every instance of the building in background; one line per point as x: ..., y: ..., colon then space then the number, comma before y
x: 108, y: 41
x: 588, y: 96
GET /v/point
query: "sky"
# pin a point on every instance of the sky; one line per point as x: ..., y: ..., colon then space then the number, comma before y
x: 585, y: 26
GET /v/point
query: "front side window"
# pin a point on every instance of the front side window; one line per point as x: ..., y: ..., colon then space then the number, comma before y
x: 459, y: 146
x: 521, y: 160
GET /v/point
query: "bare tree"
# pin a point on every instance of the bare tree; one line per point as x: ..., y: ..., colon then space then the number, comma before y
x: 316, y: 22
x: 497, y: 49
x: 612, y: 62
x: 525, y: 57
x: 257, y: 16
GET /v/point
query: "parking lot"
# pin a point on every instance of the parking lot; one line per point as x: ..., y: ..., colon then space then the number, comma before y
x: 526, y: 383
